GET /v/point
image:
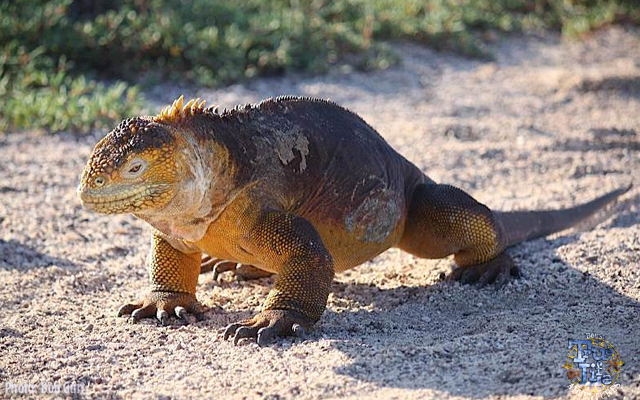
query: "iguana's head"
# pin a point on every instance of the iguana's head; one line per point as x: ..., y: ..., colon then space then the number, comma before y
x: 159, y: 167
x: 133, y: 169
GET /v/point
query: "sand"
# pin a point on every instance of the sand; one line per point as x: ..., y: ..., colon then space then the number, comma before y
x: 549, y: 123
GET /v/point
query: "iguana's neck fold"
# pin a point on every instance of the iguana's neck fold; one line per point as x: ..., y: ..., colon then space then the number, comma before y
x: 206, y: 190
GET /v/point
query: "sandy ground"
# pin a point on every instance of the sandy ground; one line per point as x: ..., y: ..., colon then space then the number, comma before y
x: 548, y: 124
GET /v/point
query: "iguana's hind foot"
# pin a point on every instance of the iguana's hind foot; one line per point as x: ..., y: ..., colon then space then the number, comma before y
x: 497, y: 271
x: 269, y: 324
x: 242, y: 272
x: 162, y: 305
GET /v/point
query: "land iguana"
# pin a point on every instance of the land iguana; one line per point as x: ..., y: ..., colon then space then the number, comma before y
x: 300, y: 187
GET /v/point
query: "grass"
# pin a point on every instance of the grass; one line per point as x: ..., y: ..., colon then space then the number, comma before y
x: 55, y: 53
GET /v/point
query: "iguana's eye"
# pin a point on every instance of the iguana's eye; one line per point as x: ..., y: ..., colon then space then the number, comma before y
x: 134, y: 169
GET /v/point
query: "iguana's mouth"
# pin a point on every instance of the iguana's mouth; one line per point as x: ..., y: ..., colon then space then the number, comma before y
x: 128, y: 201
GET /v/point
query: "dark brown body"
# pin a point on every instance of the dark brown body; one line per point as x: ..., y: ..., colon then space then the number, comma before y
x: 322, y: 163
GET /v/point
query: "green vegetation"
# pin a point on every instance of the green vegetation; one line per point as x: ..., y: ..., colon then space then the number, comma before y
x: 54, y: 51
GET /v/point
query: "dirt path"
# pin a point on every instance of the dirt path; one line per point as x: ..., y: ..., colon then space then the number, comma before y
x: 547, y: 125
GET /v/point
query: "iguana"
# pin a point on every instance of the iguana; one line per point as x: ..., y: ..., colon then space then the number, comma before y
x: 300, y: 187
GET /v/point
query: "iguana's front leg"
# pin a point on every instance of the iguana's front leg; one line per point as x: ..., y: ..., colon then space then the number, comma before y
x: 290, y: 246
x: 174, y: 276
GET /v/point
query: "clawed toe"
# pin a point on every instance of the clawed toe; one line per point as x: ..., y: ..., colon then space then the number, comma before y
x: 245, y: 332
x: 163, y: 317
x: 230, y: 330
x: 223, y: 266
x: 497, y: 272
x: 265, y: 335
x: 161, y: 305
x: 241, y: 271
x: 127, y: 309
x: 267, y: 325
x: 143, y: 312
x: 241, y: 330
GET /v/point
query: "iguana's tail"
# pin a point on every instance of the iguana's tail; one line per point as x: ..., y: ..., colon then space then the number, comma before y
x: 519, y: 226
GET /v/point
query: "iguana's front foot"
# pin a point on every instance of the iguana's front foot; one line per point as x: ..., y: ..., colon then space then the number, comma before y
x: 163, y: 304
x: 268, y: 324
x: 497, y: 271
x: 305, y: 271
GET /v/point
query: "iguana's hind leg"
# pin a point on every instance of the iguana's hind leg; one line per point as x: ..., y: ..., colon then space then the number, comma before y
x: 444, y: 220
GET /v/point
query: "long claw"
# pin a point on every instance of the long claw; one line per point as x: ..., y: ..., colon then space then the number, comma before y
x: 181, y: 313
x: 505, y: 276
x: 471, y: 275
x: 500, y: 281
x: 496, y: 271
x: 127, y: 309
x: 162, y: 305
x: 488, y: 278
x: 207, y: 264
x: 267, y: 325
x: 265, y: 335
x: 230, y: 330
x: 197, y: 312
x: 243, y: 332
x: 163, y: 317
x: 143, y: 312
x: 298, y: 330
x: 223, y: 266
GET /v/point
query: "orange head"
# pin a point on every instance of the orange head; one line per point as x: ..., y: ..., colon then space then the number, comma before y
x: 133, y: 169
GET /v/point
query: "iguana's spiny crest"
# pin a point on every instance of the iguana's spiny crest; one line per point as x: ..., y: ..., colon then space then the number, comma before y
x: 136, y: 167
x: 177, y: 111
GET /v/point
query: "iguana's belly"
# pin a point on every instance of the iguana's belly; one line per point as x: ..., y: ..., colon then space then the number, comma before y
x: 349, y: 248
x: 352, y: 235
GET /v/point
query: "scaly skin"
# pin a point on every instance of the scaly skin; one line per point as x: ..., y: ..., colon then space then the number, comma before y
x: 297, y: 187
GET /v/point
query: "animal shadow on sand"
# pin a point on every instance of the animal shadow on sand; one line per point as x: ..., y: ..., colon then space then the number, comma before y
x: 601, y: 139
x: 627, y: 86
x: 17, y: 256
x: 480, y: 342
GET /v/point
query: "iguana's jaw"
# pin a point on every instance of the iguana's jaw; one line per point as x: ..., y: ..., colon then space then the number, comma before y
x: 120, y: 199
